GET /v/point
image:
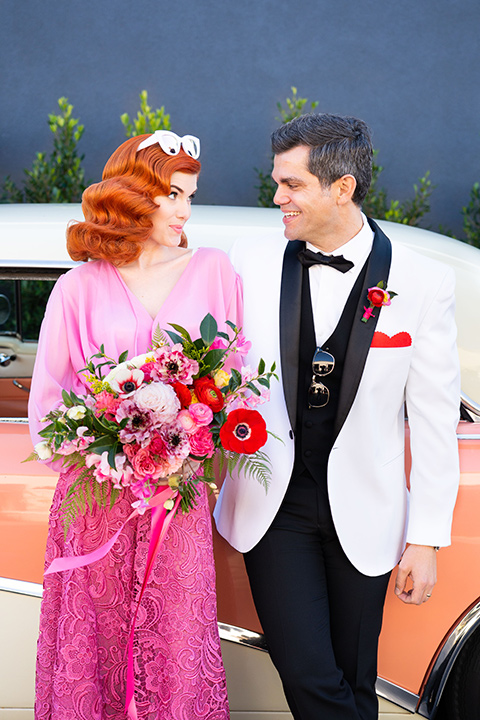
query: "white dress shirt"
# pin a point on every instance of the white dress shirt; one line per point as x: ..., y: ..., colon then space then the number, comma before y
x: 330, y: 288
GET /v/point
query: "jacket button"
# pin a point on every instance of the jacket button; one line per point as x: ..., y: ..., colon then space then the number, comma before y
x: 308, y: 453
x: 308, y: 424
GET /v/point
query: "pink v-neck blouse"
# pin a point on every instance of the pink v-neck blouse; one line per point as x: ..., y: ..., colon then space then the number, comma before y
x: 91, y: 305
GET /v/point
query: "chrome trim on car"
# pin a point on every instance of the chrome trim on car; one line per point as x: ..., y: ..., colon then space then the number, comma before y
x: 470, y: 404
x: 468, y: 437
x: 14, y: 421
x: 25, y: 271
x: 21, y: 587
x: 446, y: 658
x: 397, y: 695
x: 242, y: 636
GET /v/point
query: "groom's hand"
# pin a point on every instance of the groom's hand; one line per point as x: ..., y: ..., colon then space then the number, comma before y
x: 417, y: 574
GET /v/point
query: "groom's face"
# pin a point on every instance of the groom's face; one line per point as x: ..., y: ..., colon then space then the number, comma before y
x: 309, y: 208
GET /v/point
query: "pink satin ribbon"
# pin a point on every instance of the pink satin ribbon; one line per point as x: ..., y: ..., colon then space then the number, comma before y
x: 159, y: 526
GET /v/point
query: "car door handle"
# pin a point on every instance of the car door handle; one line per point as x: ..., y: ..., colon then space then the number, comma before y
x: 5, y: 359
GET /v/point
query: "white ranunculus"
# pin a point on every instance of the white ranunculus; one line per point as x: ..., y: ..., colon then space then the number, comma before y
x: 77, y: 412
x: 43, y: 450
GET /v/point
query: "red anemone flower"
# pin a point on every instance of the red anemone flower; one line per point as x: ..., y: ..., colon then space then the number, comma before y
x: 244, y: 431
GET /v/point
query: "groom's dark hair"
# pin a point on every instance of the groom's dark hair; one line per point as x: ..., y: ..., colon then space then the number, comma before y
x: 338, y: 146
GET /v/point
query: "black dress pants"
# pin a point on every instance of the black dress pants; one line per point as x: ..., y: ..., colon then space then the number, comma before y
x: 321, y: 616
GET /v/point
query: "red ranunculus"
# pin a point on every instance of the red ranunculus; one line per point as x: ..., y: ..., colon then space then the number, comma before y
x: 183, y: 394
x: 245, y: 431
x: 208, y: 393
x: 376, y: 296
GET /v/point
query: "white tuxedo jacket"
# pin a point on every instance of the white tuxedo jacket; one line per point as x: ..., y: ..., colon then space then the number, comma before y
x: 406, y: 353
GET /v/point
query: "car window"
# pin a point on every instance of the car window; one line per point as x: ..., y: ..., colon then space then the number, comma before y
x: 7, y: 307
x: 23, y: 298
x: 22, y: 306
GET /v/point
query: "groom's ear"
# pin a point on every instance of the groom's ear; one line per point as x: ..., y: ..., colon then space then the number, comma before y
x: 344, y: 188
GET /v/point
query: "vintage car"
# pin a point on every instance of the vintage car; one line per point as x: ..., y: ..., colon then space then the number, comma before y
x: 429, y: 661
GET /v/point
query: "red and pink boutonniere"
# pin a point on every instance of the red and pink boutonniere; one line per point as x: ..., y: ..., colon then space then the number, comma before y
x: 377, y: 296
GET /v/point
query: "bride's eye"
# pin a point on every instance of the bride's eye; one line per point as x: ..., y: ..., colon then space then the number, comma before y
x: 173, y: 195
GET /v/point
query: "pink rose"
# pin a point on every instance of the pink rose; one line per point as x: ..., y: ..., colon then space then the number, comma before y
x: 157, y: 446
x: 143, y: 464
x: 201, y: 413
x: 201, y: 444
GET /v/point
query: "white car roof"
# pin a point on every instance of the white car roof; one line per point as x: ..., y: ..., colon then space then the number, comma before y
x: 33, y: 235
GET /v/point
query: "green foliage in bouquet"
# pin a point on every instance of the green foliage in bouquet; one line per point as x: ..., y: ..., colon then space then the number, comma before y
x: 82, y: 436
x: 256, y: 465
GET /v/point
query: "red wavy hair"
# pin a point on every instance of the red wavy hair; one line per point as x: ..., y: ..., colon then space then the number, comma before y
x: 117, y: 210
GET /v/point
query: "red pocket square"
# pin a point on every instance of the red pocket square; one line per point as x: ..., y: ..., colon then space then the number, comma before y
x: 401, y: 339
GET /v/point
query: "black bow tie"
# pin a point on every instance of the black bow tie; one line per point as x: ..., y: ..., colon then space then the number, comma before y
x: 309, y: 258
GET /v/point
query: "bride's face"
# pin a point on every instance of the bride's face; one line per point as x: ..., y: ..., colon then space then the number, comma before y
x: 173, y: 210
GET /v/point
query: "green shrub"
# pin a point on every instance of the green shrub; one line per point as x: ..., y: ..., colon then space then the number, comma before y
x: 376, y: 203
x: 59, y: 177
x: 147, y: 120
x: 410, y: 212
x: 471, y: 217
x: 294, y: 108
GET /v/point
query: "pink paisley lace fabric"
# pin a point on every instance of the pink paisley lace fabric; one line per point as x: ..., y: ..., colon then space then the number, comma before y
x: 86, y: 614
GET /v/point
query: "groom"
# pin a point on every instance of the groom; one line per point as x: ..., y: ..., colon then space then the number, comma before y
x: 364, y: 330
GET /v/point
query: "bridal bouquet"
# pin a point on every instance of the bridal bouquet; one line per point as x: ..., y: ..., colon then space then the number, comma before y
x: 161, y: 418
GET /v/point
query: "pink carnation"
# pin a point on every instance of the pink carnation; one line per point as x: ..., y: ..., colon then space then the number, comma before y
x: 106, y: 403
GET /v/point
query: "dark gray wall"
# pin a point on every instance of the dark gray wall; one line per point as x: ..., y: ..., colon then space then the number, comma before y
x: 411, y: 69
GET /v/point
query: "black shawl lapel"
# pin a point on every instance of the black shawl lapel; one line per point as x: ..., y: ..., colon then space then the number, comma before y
x: 361, y: 335
x: 290, y: 309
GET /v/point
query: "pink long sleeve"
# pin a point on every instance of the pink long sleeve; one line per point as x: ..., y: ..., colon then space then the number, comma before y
x: 91, y: 305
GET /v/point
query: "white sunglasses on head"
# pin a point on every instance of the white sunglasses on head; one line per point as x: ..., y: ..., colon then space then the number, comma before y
x: 170, y: 143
